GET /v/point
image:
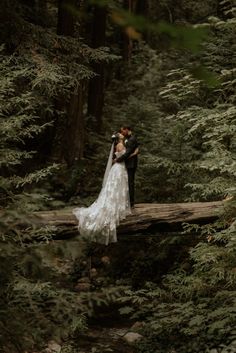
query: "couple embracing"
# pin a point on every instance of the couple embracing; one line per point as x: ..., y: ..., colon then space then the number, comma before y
x: 99, y: 221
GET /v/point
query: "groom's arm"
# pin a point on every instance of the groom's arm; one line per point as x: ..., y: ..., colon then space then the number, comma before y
x: 130, y: 148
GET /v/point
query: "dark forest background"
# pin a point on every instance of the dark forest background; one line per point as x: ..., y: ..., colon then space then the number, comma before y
x: 71, y: 73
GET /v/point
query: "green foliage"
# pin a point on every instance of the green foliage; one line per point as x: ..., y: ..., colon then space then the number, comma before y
x: 192, y: 309
x: 186, y: 127
x: 37, y: 68
x: 187, y: 37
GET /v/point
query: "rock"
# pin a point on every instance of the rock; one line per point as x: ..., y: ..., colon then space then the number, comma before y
x: 99, y: 281
x: 137, y: 325
x: 213, y: 350
x: 106, y: 260
x: 93, y: 272
x: 186, y: 266
x: 132, y: 337
x: 120, y: 332
x: 84, y: 280
x: 53, y: 347
x: 83, y: 287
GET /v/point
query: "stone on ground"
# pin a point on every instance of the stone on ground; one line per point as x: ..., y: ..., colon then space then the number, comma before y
x: 132, y: 337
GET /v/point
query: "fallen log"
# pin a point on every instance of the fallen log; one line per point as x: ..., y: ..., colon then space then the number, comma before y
x: 145, y: 217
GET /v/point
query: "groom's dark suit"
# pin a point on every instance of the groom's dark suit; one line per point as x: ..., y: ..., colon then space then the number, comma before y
x: 131, y: 163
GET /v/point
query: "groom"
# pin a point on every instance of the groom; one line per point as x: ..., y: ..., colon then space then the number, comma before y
x: 131, y: 144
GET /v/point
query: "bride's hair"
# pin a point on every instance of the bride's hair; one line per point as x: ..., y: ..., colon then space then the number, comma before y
x: 119, y: 137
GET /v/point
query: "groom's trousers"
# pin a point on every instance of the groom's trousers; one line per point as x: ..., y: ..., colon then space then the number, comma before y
x: 131, y: 176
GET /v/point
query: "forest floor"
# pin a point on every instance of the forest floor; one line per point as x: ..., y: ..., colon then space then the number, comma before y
x: 107, y: 330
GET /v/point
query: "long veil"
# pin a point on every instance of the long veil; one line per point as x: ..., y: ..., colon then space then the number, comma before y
x: 109, y: 165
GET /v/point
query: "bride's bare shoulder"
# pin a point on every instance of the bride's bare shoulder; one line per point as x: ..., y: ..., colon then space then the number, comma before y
x: 119, y: 147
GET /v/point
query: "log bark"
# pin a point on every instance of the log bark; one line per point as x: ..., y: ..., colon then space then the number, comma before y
x: 145, y: 218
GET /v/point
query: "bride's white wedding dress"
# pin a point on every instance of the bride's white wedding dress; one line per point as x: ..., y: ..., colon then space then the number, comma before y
x: 99, y: 221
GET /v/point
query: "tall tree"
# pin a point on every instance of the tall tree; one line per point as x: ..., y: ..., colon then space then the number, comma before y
x: 72, y: 134
x: 129, y: 6
x: 65, y: 22
x: 141, y: 7
x: 96, y: 85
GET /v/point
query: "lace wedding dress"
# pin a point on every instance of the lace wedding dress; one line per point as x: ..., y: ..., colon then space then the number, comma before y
x: 99, y: 221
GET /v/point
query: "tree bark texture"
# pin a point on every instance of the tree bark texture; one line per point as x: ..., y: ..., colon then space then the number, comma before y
x: 65, y: 22
x: 145, y: 218
x: 72, y: 130
x: 74, y: 141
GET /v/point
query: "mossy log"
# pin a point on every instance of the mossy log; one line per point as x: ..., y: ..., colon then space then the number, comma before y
x: 146, y: 217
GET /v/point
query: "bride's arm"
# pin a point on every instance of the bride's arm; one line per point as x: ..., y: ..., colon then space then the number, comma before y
x: 134, y: 153
x: 119, y: 147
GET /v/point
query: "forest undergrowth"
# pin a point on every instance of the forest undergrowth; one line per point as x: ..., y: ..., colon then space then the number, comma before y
x: 181, y: 104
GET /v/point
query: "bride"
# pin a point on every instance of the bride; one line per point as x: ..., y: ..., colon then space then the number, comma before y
x: 99, y: 221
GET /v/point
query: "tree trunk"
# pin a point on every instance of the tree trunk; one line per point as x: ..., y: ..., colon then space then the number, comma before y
x: 74, y: 141
x: 141, y: 7
x: 96, y: 85
x: 65, y: 22
x: 127, y: 42
x: 71, y: 133
x: 146, y: 218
